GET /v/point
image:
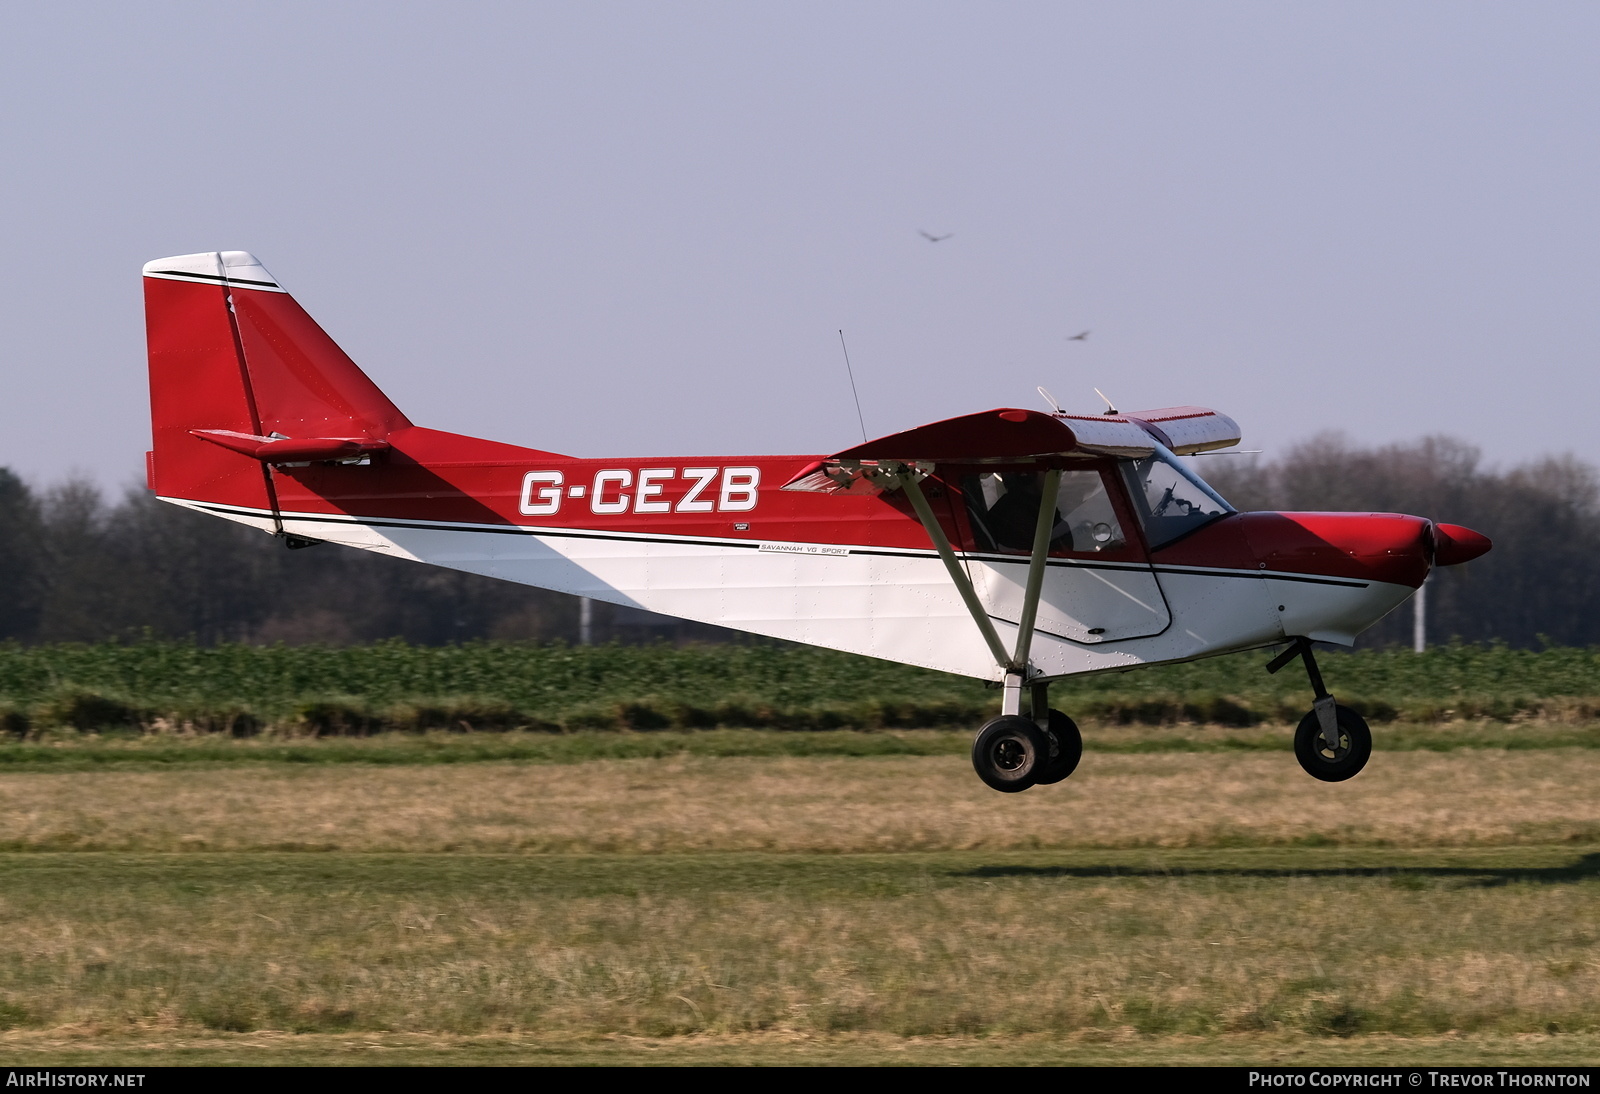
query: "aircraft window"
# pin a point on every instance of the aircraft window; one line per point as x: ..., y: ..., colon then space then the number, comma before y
x: 1004, y: 510
x: 1171, y: 500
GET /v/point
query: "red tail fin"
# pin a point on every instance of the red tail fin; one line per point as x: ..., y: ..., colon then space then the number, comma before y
x: 232, y: 353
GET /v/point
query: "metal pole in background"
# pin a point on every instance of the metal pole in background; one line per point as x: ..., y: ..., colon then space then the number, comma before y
x: 585, y: 621
x: 1419, y: 620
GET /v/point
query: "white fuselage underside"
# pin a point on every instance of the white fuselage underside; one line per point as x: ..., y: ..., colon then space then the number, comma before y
x: 897, y: 604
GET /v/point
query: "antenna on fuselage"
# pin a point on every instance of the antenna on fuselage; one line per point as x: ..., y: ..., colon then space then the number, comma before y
x: 1051, y: 399
x: 850, y: 372
x: 1109, y: 408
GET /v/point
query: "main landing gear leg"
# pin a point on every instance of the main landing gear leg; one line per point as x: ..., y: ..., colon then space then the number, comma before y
x: 1011, y: 752
x: 1066, y: 743
x: 1016, y: 750
x: 1332, y: 742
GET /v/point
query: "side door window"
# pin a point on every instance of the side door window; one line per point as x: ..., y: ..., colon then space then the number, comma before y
x: 1003, y: 510
x: 1099, y: 586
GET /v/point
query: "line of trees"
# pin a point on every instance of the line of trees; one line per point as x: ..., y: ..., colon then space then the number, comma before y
x: 77, y: 567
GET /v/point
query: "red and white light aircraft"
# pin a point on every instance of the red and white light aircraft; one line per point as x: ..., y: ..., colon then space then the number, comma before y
x: 929, y: 547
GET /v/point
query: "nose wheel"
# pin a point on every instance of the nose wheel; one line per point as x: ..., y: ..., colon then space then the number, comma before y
x: 1339, y: 758
x: 1332, y: 742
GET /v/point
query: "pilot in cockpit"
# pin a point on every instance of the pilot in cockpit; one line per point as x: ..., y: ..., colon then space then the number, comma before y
x: 1015, y: 514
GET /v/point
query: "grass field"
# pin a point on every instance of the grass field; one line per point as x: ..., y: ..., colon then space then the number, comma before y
x: 607, y: 855
x: 205, y: 901
x: 1052, y: 953
x: 826, y: 804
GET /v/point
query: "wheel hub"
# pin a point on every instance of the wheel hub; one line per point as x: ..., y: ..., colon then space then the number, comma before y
x: 1336, y: 753
x: 1009, y: 754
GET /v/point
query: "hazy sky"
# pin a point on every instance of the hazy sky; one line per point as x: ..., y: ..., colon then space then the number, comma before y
x: 637, y: 228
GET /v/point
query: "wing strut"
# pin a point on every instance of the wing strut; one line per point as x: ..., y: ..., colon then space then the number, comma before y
x: 1041, y: 551
x: 1016, y: 664
x: 908, y: 479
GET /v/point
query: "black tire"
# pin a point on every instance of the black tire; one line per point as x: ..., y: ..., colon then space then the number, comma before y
x: 1333, y: 765
x: 1068, y: 749
x: 1009, y: 753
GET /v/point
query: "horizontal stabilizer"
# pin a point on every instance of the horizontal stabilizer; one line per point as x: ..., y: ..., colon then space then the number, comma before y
x: 291, y: 449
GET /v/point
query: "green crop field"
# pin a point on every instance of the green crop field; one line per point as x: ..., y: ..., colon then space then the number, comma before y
x: 243, y: 690
x: 656, y: 893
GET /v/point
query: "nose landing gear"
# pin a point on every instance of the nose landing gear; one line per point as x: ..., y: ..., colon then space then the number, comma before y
x: 1332, y: 742
x: 1338, y: 759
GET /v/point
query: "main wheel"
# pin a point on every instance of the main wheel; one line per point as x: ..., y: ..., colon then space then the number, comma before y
x: 1010, y: 753
x: 1067, y: 751
x: 1336, y: 764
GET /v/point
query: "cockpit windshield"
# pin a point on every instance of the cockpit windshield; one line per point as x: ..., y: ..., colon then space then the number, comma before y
x: 1171, y: 500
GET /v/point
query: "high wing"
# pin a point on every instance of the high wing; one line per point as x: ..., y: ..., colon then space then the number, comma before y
x: 1008, y: 437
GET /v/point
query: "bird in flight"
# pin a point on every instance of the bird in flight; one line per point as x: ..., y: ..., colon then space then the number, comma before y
x: 934, y: 238
x: 1083, y: 337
